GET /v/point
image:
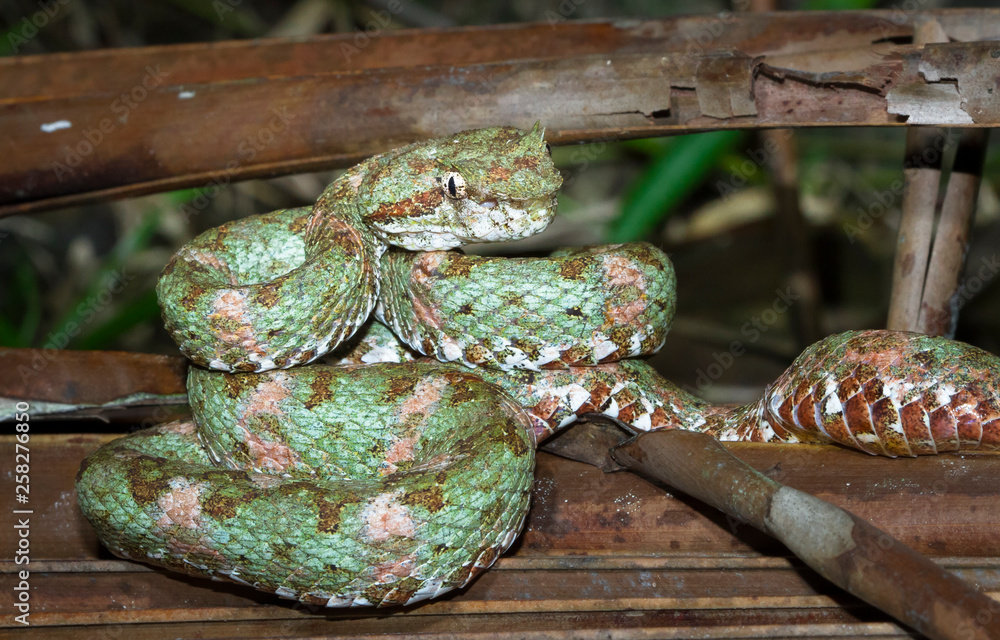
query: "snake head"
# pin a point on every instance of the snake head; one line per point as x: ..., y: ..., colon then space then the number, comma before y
x: 481, y: 185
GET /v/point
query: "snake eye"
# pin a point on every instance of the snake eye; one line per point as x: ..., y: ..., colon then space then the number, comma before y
x: 454, y: 186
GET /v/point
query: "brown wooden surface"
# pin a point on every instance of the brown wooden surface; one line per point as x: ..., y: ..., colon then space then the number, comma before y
x: 87, y: 377
x: 598, y: 551
x: 229, y: 111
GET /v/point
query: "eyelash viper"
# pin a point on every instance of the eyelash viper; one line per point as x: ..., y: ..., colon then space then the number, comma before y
x: 356, y: 485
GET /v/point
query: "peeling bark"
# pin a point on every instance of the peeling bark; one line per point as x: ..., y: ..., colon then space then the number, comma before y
x: 107, y: 124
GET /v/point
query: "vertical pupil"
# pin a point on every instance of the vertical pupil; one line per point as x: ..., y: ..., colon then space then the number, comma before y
x: 452, y: 189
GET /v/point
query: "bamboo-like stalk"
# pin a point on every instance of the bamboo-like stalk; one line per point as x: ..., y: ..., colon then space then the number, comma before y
x: 921, y: 179
x: 938, y: 308
x: 920, y: 189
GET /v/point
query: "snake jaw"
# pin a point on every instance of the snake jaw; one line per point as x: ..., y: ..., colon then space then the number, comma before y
x: 471, y: 221
x: 506, y: 219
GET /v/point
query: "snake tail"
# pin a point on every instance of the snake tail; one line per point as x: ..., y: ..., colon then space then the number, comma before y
x: 890, y: 393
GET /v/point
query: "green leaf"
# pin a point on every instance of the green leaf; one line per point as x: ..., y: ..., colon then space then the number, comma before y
x: 673, y: 176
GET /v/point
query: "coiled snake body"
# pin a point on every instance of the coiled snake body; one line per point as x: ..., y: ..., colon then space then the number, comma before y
x: 373, y: 485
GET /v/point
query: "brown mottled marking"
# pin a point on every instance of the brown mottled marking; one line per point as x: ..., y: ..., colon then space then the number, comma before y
x: 531, y: 348
x: 344, y: 236
x: 884, y: 415
x: 621, y: 335
x: 420, y: 165
x: 645, y: 254
x: 628, y: 413
x: 462, y: 391
x: 307, y: 355
x: 431, y: 498
x: 525, y: 162
x: 544, y: 410
x: 328, y: 512
x: 499, y: 173
x: 874, y: 390
x: 329, y: 515
x: 387, y: 594
x: 298, y: 225
x: 487, y: 557
x: 658, y: 418
x: 476, y: 353
x: 399, y: 386
x: 427, y: 345
x: 510, y: 436
x: 651, y: 342
x: 320, y: 391
x: 420, y: 204
x: 221, y: 506
x: 191, y: 297
x: 144, y: 480
x: 600, y: 395
x: 576, y: 354
x: 219, y: 241
x: 925, y: 359
x: 458, y: 267
x: 269, y: 295
x: 865, y: 372
x: 574, y: 269
x: 834, y: 426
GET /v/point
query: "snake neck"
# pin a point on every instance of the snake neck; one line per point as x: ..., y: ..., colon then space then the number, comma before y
x: 337, y: 221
